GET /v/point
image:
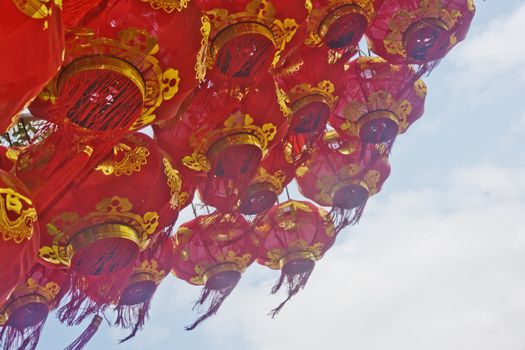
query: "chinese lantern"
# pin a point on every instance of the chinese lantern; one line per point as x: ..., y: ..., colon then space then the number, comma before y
x: 213, y: 251
x: 19, y: 234
x: 247, y: 36
x: 32, y: 44
x: 149, y: 270
x: 342, y: 173
x: 380, y: 101
x: 276, y: 171
x: 23, y: 315
x: 339, y: 24
x: 99, y: 226
x: 293, y: 236
x: 309, y: 84
x: 419, y: 31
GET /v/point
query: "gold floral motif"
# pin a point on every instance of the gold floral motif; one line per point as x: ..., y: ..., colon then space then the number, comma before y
x: 239, y: 263
x: 13, y: 203
x: 420, y: 89
x: 274, y: 256
x: 38, y: 9
x: 168, y: 5
x: 151, y: 267
x: 276, y: 179
x: 258, y: 12
x: 109, y: 210
x: 315, y: 28
x: 200, y: 61
x: 49, y: 290
x: 399, y: 23
x: 138, y: 48
x: 132, y: 160
x: 324, y: 88
x: 372, y: 178
x: 178, y: 198
x: 237, y: 123
x: 326, y: 184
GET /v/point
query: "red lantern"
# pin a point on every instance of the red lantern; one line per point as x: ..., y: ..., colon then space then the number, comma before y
x: 293, y: 236
x: 98, y: 227
x: 380, y: 101
x: 213, y: 250
x: 19, y: 235
x: 276, y: 171
x: 419, y: 31
x: 149, y: 270
x: 342, y: 174
x: 309, y: 83
x: 247, y: 36
x: 23, y: 316
x: 339, y: 24
x: 32, y: 44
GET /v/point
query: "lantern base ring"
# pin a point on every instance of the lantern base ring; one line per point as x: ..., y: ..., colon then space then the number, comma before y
x: 300, y: 255
x: 103, y: 231
x: 22, y: 301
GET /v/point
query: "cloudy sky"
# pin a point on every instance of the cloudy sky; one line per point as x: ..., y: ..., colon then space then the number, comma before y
x: 438, y: 260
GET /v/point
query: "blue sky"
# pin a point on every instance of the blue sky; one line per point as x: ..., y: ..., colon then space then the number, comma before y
x: 438, y: 259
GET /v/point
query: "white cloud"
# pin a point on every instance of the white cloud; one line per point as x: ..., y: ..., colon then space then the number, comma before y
x: 425, y: 270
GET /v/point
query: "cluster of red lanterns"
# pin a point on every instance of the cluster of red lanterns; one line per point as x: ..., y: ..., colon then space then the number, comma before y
x: 243, y: 97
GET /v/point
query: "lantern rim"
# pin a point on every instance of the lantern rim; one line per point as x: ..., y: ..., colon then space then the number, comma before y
x: 294, y: 256
x: 430, y: 22
x: 93, y: 234
x: 233, y: 140
x: 17, y: 303
x: 378, y: 115
x: 337, y: 14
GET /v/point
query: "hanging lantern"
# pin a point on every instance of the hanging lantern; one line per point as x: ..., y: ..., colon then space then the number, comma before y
x: 342, y: 174
x: 99, y: 226
x: 19, y: 235
x: 339, y: 24
x: 419, y: 31
x: 293, y: 236
x: 309, y: 83
x: 247, y: 36
x: 32, y: 44
x: 380, y: 101
x: 23, y: 315
x: 276, y: 171
x: 149, y: 270
x: 213, y: 251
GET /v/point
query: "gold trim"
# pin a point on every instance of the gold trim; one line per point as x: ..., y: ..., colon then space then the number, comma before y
x: 23, y: 300
x: 141, y: 277
x: 168, y: 5
x: 225, y: 267
x: 375, y: 115
x: 260, y: 187
x: 302, y: 255
x: 232, y: 141
x: 102, y: 62
x: 337, y: 13
x: 306, y: 100
x: 150, y: 267
x: 103, y: 231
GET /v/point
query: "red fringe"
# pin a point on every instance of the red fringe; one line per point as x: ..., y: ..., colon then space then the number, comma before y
x: 132, y: 317
x: 86, y: 336
x: 344, y: 217
x: 294, y: 284
x: 12, y: 338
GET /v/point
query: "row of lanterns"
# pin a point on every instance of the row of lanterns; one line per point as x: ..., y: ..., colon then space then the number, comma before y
x: 244, y: 97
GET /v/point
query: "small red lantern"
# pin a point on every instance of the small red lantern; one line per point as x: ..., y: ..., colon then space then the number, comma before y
x: 293, y: 236
x: 32, y: 45
x: 19, y: 234
x: 276, y: 171
x: 152, y: 266
x: 247, y: 36
x: 23, y: 315
x: 419, y: 31
x: 100, y: 225
x: 380, y: 101
x: 213, y: 251
x: 342, y: 173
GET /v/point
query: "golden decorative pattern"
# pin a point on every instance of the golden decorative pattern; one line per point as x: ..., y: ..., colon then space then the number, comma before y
x: 114, y: 209
x: 138, y: 48
x: 324, y: 88
x: 327, y: 184
x: 151, y: 267
x: 38, y: 9
x: 48, y: 290
x: 131, y: 161
x: 230, y: 259
x: 276, y: 179
x: 168, y: 5
x: 174, y: 179
x: 15, y: 205
x: 200, y: 61
x: 236, y: 124
x: 399, y: 23
x: 275, y: 256
x: 316, y: 31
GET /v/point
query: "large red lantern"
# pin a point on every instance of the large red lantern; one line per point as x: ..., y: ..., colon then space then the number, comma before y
x: 419, y: 31
x: 23, y: 315
x: 19, y: 234
x: 339, y: 24
x: 247, y: 36
x: 293, y: 236
x: 99, y: 226
x: 213, y: 251
x: 380, y: 101
x: 152, y: 266
x: 342, y: 173
x: 32, y: 44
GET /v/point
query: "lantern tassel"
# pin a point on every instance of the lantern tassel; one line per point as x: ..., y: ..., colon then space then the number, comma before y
x: 12, y: 338
x: 294, y: 283
x: 216, y: 297
x: 86, y: 336
x: 344, y: 217
x: 132, y: 317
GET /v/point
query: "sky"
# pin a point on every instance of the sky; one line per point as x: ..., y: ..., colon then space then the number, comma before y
x: 438, y: 259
